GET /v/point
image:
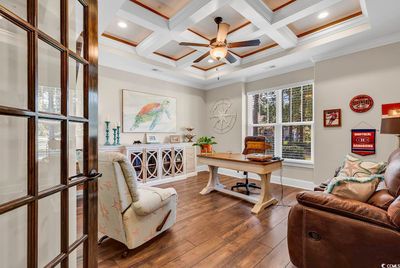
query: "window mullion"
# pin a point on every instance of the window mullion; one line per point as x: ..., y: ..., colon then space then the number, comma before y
x: 301, y: 104
x: 278, y: 127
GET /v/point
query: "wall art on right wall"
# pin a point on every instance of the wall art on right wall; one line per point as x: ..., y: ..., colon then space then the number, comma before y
x: 333, y: 118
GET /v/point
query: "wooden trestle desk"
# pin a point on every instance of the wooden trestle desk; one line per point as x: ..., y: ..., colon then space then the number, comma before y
x: 237, y: 161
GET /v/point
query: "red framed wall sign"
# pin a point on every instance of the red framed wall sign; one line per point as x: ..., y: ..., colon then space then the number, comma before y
x: 333, y: 118
x: 361, y: 103
x: 363, y: 141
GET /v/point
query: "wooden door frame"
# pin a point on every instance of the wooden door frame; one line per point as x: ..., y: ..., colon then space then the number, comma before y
x: 89, y: 120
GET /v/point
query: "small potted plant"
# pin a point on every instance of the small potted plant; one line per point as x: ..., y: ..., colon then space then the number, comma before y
x: 205, y: 143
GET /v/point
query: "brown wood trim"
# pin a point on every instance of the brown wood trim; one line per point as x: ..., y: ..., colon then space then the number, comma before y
x: 56, y: 260
x: 52, y: 190
x: 207, y: 69
x: 330, y: 24
x: 283, y: 5
x: 150, y: 9
x: 77, y: 57
x: 44, y: 115
x: 77, y: 243
x: 90, y: 200
x: 4, y: 110
x: 16, y: 203
x: 51, y: 41
x: 255, y: 51
x: 119, y: 39
x: 239, y: 27
x: 199, y: 34
x: 173, y: 58
x: 33, y: 174
x: 77, y: 119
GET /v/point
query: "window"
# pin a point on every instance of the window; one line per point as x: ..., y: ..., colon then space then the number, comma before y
x: 285, y: 117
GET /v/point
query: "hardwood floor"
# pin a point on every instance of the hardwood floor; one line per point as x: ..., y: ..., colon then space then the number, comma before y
x: 215, y: 230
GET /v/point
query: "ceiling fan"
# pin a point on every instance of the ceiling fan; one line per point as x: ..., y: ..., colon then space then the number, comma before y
x: 219, y: 46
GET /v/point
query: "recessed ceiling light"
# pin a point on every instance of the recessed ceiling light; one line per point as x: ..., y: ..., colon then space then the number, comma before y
x: 122, y: 24
x: 210, y: 60
x: 323, y: 15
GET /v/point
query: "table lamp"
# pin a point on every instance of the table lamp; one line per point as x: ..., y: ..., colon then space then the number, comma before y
x: 390, y: 123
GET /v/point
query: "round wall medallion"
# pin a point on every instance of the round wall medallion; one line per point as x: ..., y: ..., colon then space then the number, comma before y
x: 361, y: 103
x: 222, y: 116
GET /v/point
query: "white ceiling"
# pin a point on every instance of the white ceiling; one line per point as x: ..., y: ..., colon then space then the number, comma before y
x: 377, y: 25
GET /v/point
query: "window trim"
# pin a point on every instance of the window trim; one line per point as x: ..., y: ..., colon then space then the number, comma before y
x: 278, y: 126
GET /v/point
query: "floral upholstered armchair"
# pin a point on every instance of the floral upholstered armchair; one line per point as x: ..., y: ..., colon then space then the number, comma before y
x: 130, y: 213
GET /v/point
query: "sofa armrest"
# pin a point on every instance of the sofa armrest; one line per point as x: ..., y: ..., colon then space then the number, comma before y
x: 346, y: 207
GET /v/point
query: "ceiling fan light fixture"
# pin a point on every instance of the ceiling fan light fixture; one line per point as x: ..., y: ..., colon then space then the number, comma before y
x: 218, y: 53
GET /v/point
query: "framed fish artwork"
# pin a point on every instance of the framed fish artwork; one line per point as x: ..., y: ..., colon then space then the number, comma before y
x: 142, y: 112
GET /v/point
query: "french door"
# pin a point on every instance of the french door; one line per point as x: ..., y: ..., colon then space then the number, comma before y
x: 48, y: 133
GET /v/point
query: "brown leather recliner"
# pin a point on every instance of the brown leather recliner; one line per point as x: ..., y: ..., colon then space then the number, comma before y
x: 328, y: 231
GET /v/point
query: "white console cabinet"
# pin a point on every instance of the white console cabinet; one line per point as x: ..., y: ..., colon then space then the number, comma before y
x: 159, y: 163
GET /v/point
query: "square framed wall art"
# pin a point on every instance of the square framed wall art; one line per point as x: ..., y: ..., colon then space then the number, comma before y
x: 333, y: 118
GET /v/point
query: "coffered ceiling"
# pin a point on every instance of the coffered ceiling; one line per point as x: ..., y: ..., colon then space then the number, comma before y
x: 291, y: 32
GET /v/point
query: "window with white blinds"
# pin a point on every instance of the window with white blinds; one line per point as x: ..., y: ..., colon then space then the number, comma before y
x: 285, y: 117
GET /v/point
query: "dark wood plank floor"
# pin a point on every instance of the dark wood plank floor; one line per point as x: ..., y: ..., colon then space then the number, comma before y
x: 215, y: 230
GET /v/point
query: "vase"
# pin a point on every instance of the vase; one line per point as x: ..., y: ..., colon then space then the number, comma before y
x: 206, y: 148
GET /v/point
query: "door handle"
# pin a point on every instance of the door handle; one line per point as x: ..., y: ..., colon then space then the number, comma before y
x: 94, y: 175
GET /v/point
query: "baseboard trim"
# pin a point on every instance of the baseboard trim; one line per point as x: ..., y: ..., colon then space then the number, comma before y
x: 302, y: 184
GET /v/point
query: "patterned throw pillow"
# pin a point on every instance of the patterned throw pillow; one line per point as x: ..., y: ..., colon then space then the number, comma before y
x: 355, y: 167
x: 355, y: 188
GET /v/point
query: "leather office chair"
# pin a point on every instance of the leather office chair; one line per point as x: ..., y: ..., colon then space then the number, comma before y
x: 252, y: 145
x: 327, y: 231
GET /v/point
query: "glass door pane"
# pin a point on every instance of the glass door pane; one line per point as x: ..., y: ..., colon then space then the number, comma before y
x: 76, y: 258
x: 49, y: 147
x: 49, y: 228
x: 76, y: 26
x: 49, y: 17
x: 76, y: 213
x: 76, y: 73
x: 14, y: 55
x: 13, y: 242
x: 13, y: 158
x: 49, y: 78
x: 75, y: 149
x: 19, y: 7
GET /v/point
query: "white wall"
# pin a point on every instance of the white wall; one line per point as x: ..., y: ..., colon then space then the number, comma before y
x: 233, y: 139
x: 375, y: 72
x: 191, y: 104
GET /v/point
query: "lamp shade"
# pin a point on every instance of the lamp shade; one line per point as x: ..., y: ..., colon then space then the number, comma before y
x: 390, y: 123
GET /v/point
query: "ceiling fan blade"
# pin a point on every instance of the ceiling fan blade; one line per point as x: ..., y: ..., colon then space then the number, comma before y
x: 202, y: 57
x: 193, y: 44
x: 223, y: 29
x: 230, y: 58
x: 249, y: 43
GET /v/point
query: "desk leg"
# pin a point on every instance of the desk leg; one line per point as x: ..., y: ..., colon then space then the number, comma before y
x: 213, y: 181
x: 266, y: 198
